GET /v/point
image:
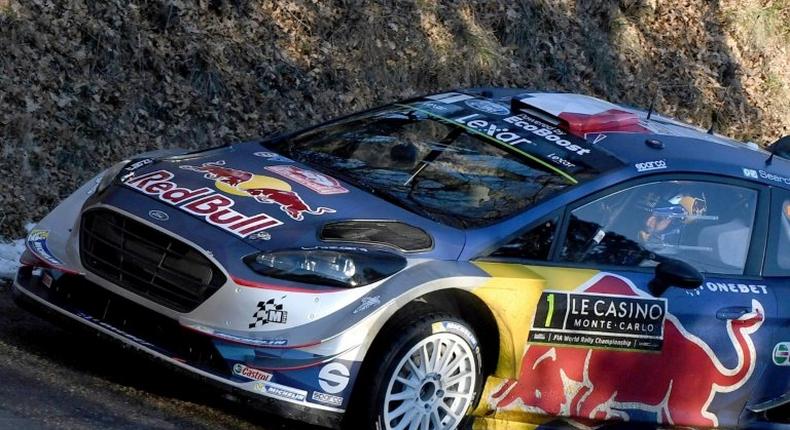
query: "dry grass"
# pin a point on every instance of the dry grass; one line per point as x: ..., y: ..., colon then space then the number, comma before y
x: 85, y: 83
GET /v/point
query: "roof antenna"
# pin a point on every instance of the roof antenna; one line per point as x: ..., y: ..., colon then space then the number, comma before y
x: 714, y: 118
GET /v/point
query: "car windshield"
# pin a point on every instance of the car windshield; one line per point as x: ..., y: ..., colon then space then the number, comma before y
x: 427, y: 165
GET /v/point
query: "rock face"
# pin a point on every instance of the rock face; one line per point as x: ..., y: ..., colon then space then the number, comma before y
x: 84, y: 84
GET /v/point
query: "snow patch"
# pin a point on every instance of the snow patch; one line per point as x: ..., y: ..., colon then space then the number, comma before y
x: 9, y: 255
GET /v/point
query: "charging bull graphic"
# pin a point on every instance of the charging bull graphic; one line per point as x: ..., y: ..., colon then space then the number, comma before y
x: 244, y: 183
x: 677, y: 384
x: 289, y: 202
x: 216, y: 171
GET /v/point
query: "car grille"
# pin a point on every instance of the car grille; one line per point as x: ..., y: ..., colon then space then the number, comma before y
x: 146, y: 261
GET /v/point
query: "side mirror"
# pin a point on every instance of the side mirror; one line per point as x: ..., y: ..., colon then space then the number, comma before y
x: 781, y: 147
x: 674, y: 273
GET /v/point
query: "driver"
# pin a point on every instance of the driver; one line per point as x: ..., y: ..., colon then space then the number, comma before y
x: 667, y: 221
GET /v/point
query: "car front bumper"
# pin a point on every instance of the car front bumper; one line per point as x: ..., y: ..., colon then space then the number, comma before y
x: 72, y: 300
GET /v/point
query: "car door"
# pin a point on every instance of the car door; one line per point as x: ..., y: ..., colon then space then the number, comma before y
x: 771, y: 397
x: 604, y: 343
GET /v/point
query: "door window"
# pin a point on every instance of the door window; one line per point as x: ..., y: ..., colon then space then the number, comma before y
x: 778, y: 258
x: 706, y: 224
x: 535, y: 244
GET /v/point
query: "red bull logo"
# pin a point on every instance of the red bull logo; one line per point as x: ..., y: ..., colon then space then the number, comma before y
x: 213, y: 207
x: 264, y: 189
x: 678, y: 383
x: 216, y: 171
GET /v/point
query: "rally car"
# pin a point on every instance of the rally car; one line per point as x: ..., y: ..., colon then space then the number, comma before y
x: 495, y: 258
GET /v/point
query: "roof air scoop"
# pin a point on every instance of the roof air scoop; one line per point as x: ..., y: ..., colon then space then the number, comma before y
x: 578, y: 114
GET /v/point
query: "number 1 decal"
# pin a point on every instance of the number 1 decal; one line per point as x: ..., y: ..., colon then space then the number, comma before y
x: 550, y: 313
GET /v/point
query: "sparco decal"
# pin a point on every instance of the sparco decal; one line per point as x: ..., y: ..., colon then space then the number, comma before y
x: 252, y: 373
x: 327, y: 398
x: 648, y: 166
x: 676, y: 384
x: 213, y: 207
x: 318, y: 182
x: 333, y: 378
x: 263, y: 189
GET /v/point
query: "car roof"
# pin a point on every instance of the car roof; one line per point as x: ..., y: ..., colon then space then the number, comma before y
x: 626, y: 133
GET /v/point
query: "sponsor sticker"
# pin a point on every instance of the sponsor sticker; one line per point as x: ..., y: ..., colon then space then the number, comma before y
x: 524, y: 123
x: 318, y: 182
x: 261, y: 235
x: 281, y: 391
x: 648, y: 166
x: 264, y: 189
x: 561, y: 161
x: 773, y: 177
x: 239, y: 339
x: 213, y: 207
x: 459, y: 329
x: 94, y: 186
x: 327, y: 398
x: 750, y: 173
x: 333, y: 378
x: 119, y: 332
x: 271, y: 156
x: 599, y: 321
x: 268, y: 311
x: 138, y: 164
x: 781, y: 354
x: 722, y: 287
x: 37, y: 243
x: 251, y: 373
x: 487, y: 107
x: 367, y: 303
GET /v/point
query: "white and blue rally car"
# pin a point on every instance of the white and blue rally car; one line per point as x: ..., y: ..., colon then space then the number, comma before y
x: 489, y: 257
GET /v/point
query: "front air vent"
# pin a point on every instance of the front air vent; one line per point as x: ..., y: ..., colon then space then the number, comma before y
x: 390, y: 233
x: 146, y: 261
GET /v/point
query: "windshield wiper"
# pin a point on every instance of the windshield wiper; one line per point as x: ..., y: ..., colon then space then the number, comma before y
x: 445, y: 144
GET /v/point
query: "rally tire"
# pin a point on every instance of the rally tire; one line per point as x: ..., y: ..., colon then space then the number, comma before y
x: 399, y: 385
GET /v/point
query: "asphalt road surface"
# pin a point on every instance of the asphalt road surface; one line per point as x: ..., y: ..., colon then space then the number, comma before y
x: 56, y: 379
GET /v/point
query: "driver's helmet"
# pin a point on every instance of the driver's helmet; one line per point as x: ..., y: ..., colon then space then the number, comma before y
x: 668, y: 219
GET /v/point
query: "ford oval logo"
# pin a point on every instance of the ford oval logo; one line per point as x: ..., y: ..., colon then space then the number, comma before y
x: 158, y: 215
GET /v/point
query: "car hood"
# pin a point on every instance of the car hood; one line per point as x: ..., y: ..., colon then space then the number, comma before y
x: 258, y: 197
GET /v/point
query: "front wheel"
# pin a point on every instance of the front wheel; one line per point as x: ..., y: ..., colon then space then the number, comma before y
x: 428, y: 379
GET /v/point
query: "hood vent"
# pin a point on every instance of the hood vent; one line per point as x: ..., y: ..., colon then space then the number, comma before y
x: 390, y: 233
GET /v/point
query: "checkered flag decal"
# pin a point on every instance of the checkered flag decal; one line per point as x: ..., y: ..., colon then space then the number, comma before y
x: 267, y: 312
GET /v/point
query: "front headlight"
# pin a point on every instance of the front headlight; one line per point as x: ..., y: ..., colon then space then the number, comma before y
x: 109, y: 176
x: 339, y: 268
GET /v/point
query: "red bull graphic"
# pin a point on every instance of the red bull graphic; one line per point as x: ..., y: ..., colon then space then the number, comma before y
x: 215, y: 208
x: 216, y: 171
x: 289, y: 202
x: 677, y: 384
x: 263, y: 189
